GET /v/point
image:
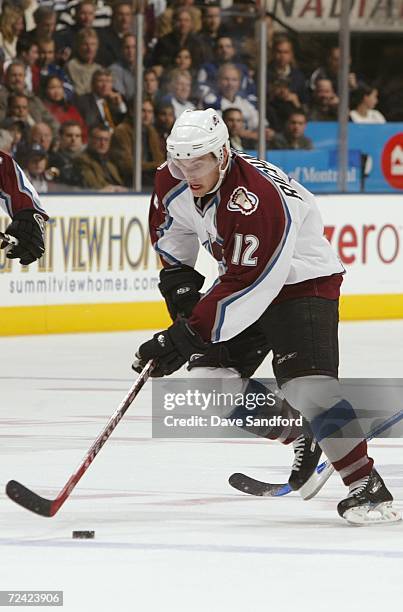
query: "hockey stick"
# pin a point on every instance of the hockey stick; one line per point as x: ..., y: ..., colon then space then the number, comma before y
x: 249, y: 485
x: 48, y: 507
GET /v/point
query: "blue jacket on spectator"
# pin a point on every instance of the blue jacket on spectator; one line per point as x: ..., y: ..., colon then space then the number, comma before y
x: 207, y: 80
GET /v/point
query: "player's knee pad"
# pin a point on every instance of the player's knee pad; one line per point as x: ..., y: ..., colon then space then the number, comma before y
x: 312, y: 393
x: 320, y: 400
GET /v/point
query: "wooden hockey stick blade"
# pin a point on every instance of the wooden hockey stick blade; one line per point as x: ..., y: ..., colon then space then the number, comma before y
x: 29, y: 500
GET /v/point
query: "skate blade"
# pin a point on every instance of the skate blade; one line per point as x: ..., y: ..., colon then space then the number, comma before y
x: 314, y: 484
x: 373, y: 515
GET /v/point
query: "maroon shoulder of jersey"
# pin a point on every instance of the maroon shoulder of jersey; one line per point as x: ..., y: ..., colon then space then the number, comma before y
x: 247, y: 198
x: 17, y: 192
x: 164, y: 183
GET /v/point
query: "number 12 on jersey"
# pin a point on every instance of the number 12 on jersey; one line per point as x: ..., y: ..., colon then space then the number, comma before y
x: 244, y: 249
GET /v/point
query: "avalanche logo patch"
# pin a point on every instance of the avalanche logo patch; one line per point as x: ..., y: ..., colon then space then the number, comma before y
x: 243, y: 201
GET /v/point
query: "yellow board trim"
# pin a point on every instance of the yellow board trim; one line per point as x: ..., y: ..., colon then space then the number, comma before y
x: 367, y: 307
x: 68, y: 318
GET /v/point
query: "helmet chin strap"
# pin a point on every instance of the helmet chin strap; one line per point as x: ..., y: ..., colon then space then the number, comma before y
x: 222, y: 171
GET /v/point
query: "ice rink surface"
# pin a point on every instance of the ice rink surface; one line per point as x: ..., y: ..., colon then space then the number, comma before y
x: 171, y: 535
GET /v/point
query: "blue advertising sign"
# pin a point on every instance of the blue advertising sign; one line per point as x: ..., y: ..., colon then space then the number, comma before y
x: 375, y: 158
x: 381, y: 146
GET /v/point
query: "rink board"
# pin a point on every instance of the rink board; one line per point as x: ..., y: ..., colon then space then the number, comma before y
x: 100, y: 272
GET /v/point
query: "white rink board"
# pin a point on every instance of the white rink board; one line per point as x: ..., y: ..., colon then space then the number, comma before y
x: 366, y: 232
x: 98, y: 250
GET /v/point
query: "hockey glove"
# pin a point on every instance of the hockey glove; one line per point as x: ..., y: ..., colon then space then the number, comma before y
x: 170, y: 349
x: 28, y: 226
x: 180, y: 287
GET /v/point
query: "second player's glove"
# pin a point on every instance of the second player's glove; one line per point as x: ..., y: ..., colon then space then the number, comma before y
x: 28, y: 226
x: 170, y: 349
x: 180, y: 286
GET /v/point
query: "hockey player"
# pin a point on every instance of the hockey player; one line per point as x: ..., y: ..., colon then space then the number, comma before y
x: 279, y: 288
x: 20, y: 200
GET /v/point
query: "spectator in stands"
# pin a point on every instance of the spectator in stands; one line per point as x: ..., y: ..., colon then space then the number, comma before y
x: 124, y: 70
x: 34, y: 164
x: 281, y: 103
x: 181, y: 36
x: 229, y: 85
x: 284, y: 67
x: 330, y: 71
x: 18, y: 120
x: 363, y: 102
x: 390, y: 81
x: 84, y: 18
x: 82, y: 66
x: 151, y: 87
x: 225, y: 52
x: 67, y: 13
x: 153, y: 156
x: 325, y: 103
x: 45, y: 24
x: 179, y: 91
x: 234, y: 121
x: 103, y: 104
x: 293, y: 136
x: 70, y: 146
x: 183, y: 59
x: 6, y: 141
x: 122, y: 147
x: 49, y: 67
x: 18, y: 134
x: 29, y: 7
x: 28, y: 53
x: 240, y: 17
x: 54, y: 98
x: 212, y: 29
x: 11, y: 28
x: 94, y: 166
x: 166, y: 19
x: 41, y: 134
x: 110, y: 48
x: 164, y: 120
x: 14, y: 83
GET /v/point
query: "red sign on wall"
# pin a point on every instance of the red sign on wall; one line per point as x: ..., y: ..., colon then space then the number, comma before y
x: 392, y: 161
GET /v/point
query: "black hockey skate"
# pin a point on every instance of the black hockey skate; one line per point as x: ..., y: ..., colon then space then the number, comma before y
x: 369, y: 503
x: 307, y: 454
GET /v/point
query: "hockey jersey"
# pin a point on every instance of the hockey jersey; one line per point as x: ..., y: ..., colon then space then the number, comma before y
x: 16, y: 191
x: 264, y: 229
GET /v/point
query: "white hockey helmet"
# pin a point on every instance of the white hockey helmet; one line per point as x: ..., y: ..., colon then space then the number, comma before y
x: 194, y: 135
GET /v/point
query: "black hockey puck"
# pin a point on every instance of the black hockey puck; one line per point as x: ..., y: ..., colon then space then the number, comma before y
x: 84, y: 535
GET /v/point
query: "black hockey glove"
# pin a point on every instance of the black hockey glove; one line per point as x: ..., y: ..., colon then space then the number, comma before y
x: 170, y: 349
x: 28, y: 226
x: 180, y: 287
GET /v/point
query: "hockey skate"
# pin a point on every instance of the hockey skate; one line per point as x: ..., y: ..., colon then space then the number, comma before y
x: 307, y: 454
x: 369, y: 503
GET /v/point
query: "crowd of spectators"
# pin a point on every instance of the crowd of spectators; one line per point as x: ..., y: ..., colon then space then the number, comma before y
x: 67, y: 86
